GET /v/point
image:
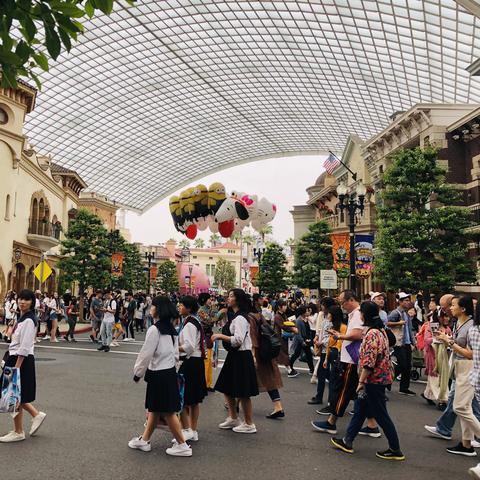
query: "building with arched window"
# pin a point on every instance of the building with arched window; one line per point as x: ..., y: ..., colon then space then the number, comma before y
x: 37, y: 198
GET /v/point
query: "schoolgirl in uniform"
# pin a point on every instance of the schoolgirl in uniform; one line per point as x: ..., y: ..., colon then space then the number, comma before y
x: 156, y: 361
x: 238, y: 377
x: 20, y: 355
x: 192, y: 348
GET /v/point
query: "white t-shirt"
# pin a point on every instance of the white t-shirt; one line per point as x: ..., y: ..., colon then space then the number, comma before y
x: 354, y: 323
x: 107, y: 316
x: 312, y: 321
x: 139, y: 311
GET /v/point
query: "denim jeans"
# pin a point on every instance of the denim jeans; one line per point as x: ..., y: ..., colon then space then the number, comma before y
x: 446, y: 422
x: 106, y: 333
x: 374, y: 404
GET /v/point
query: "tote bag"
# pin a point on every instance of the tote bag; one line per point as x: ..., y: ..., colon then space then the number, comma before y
x: 11, y: 392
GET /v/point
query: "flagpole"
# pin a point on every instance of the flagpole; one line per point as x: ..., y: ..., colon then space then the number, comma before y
x: 354, y: 175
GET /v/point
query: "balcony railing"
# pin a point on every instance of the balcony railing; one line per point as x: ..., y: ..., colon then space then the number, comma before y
x: 475, y: 215
x: 44, y: 228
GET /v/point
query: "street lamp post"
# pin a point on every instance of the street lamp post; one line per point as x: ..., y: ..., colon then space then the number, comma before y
x: 350, y: 202
x: 185, y: 258
x: 149, y: 257
x: 190, y: 270
x: 258, y: 253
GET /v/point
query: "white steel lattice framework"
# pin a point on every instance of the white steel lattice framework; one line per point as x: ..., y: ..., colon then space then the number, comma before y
x: 160, y: 94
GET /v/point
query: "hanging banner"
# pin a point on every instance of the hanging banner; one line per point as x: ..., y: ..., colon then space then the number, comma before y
x: 117, y: 264
x: 341, y: 254
x: 153, y: 272
x: 363, y: 255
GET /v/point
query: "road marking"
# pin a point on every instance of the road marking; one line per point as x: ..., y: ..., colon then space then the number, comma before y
x: 85, y: 349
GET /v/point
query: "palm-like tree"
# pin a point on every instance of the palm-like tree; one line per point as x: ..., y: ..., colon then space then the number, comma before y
x: 266, y: 230
x: 236, y: 237
x: 184, y: 243
x: 199, y: 243
x: 214, y: 239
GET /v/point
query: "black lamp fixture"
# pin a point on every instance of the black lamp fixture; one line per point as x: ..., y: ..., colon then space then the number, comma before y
x: 353, y: 203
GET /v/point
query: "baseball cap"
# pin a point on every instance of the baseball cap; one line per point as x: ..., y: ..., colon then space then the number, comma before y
x: 403, y: 296
x: 374, y: 295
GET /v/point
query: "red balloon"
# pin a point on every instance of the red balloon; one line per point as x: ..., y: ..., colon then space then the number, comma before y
x: 191, y: 232
x: 226, y: 228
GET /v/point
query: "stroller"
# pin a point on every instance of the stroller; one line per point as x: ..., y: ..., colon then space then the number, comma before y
x: 418, y: 364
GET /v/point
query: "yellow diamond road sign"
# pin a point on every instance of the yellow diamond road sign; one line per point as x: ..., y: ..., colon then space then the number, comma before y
x: 44, y: 271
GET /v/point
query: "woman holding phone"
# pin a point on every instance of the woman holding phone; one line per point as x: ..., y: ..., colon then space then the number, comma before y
x: 21, y: 355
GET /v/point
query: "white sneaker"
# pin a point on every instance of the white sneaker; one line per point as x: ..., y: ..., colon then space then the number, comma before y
x: 56, y: 340
x: 475, y: 444
x: 37, y: 423
x: 12, y: 437
x: 179, y: 450
x: 229, y: 423
x: 188, y: 435
x: 475, y: 471
x: 139, y: 444
x: 245, y: 428
x: 46, y: 337
x: 38, y: 340
x: 114, y: 344
x: 436, y: 433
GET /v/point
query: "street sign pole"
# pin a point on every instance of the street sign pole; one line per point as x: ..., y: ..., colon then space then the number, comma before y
x: 42, y: 258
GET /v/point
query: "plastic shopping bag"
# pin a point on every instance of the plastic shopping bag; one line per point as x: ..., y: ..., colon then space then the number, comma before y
x: 10, y: 388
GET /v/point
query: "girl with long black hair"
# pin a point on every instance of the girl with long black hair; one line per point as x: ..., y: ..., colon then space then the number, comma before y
x: 238, y: 377
x: 156, y: 361
x: 21, y: 355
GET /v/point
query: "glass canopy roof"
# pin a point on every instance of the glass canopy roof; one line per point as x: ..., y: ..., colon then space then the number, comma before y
x: 158, y: 95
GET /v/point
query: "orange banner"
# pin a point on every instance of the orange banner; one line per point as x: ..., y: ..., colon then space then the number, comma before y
x: 117, y: 264
x: 341, y: 254
x: 153, y: 272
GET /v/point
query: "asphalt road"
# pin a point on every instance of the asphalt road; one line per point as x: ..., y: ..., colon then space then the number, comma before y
x: 94, y: 408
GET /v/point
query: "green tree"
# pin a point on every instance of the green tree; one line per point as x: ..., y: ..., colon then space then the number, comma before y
x: 421, y: 236
x: 199, y: 243
x: 167, y: 277
x: 85, y: 253
x: 313, y: 252
x: 236, y: 237
x: 265, y: 230
x: 214, y: 239
x: 184, y: 243
x: 225, y: 274
x: 133, y: 278
x: 32, y: 31
x: 272, y: 271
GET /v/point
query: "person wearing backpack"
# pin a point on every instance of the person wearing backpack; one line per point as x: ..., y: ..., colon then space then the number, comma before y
x: 266, y: 347
x: 238, y: 378
x: 192, y: 348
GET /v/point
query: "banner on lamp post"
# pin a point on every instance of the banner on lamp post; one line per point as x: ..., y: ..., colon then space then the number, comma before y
x: 363, y: 255
x: 117, y: 264
x: 153, y: 272
x: 341, y: 254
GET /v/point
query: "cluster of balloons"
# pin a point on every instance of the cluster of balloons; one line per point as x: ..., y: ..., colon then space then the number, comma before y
x: 199, y: 208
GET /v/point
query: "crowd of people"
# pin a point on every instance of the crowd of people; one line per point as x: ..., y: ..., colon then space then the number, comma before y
x: 353, y: 345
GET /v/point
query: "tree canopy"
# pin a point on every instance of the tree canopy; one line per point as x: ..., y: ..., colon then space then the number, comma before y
x: 422, y: 239
x: 313, y: 253
x: 225, y: 275
x: 272, y: 270
x: 167, y: 277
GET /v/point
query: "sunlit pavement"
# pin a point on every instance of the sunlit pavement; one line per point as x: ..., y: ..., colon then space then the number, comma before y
x: 94, y: 408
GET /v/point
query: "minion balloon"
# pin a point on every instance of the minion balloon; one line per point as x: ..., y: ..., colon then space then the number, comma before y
x: 216, y: 196
x: 187, y: 204
x: 200, y: 199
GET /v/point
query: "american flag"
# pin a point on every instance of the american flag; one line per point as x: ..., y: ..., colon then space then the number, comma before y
x: 331, y: 163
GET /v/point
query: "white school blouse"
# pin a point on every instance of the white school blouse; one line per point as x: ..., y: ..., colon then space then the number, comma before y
x: 240, y: 330
x: 157, y: 353
x: 190, y: 339
x: 23, y: 338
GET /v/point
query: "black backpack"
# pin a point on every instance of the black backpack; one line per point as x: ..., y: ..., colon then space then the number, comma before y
x: 269, y: 344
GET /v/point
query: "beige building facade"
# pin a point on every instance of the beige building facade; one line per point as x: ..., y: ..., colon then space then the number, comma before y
x: 37, y: 198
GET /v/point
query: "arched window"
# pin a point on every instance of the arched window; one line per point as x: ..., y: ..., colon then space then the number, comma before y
x: 7, y: 207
